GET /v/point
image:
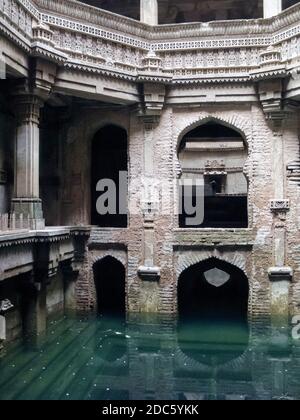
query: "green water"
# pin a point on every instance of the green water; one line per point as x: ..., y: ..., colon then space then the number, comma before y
x: 153, y: 359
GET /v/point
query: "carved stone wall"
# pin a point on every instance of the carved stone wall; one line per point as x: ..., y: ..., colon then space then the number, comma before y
x: 253, y: 250
x: 164, y: 81
x: 93, y: 40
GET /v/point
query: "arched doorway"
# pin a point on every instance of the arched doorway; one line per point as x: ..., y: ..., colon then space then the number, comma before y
x: 109, y: 161
x: 110, y: 283
x: 214, y: 155
x: 213, y: 290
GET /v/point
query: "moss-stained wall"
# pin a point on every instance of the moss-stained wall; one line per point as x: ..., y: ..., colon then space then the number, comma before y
x: 55, y: 294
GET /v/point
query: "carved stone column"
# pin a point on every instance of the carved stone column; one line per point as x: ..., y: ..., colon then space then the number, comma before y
x: 26, y: 199
x: 149, y: 272
x: 272, y: 8
x: 149, y: 12
x: 276, y: 109
x: 280, y: 275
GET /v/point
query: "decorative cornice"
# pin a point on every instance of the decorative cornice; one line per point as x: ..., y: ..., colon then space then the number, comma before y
x: 91, y: 15
x: 88, y: 39
x: 44, y: 236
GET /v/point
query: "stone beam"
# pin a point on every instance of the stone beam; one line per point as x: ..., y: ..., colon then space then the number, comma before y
x: 272, y: 8
x: 96, y: 87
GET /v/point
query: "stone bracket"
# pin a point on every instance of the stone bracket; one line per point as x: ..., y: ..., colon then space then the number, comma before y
x: 280, y: 206
x: 280, y: 274
x: 153, y: 103
x: 149, y: 273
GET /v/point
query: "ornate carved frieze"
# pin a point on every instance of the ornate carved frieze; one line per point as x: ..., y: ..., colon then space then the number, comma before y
x: 279, y: 206
x: 180, y: 31
x: 215, y: 168
x: 77, y: 36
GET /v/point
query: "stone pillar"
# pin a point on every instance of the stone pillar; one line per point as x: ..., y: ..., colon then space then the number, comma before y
x: 280, y: 278
x: 70, y: 278
x: 272, y: 8
x: 280, y: 275
x: 26, y: 199
x: 2, y: 334
x: 148, y: 272
x: 277, y: 113
x: 5, y: 307
x: 36, y: 309
x: 2, y: 328
x: 149, y: 12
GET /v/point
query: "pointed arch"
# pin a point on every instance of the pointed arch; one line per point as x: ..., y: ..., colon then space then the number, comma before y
x: 234, y: 122
x: 214, y: 150
x: 110, y: 283
x: 198, y: 297
x: 108, y: 254
x: 187, y: 260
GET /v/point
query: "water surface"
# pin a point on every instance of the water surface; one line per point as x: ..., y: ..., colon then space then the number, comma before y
x: 154, y: 359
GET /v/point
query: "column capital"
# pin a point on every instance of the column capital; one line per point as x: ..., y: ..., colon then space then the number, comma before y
x: 26, y: 103
x: 26, y: 108
x: 276, y: 108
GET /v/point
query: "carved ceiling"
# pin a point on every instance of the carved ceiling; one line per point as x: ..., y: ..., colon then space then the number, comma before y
x: 179, y: 11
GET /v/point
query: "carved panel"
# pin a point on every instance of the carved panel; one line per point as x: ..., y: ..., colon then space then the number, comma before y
x: 280, y: 205
x: 99, y: 41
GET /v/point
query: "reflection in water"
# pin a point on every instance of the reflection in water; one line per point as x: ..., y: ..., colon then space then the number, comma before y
x: 220, y: 342
x: 153, y: 358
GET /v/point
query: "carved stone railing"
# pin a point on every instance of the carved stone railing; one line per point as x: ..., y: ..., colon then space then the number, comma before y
x: 11, y: 221
x: 95, y: 16
x: 89, y: 39
x: 17, y: 18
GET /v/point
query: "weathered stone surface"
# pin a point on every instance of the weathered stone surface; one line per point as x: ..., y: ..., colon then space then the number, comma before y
x: 158, y: 84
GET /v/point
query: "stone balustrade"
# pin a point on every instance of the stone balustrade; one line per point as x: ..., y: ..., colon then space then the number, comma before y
x: 56, y: 245
x: 79, y: 37
x: 12, y: 221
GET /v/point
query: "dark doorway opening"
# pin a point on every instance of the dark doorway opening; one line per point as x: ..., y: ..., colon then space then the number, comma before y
x: 220, y: 211
x: 109, y: 159
x: 109, y: 276
x: 215, y: 155
x: 213, y: 289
